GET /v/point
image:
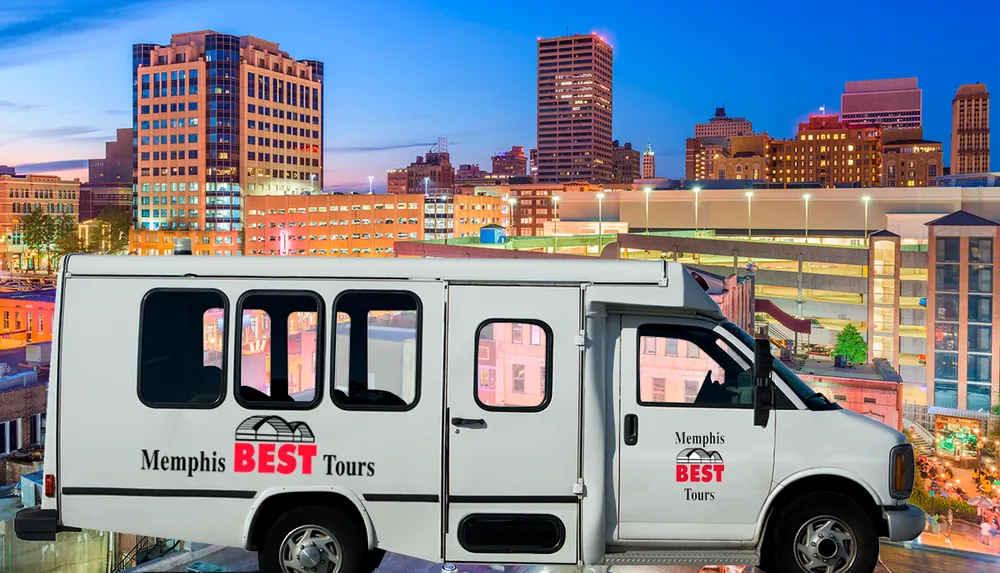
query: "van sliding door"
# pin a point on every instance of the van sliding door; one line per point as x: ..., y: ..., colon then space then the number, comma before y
x: 513, y: 424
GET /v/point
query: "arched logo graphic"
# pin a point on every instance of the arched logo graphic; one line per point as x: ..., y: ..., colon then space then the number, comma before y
x: 698, y: 465
x: 273, y: 429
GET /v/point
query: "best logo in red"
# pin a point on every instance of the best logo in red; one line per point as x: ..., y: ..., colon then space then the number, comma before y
x: 697, y: 465
x: 269, y: 444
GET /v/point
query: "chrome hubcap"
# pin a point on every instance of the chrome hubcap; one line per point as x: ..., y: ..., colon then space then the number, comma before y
x: 825, y: 545
x: 310, y: 549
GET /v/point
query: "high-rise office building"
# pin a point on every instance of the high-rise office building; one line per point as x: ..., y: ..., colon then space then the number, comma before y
x: 116, y: 166
x: 890, y: 104
x: 723, y: 126
x: 217, y: 117
x: 970, y: 130
x: 513, y: 163
x: 648, y: 163
x: 624, y: 163
x: 574, y: 109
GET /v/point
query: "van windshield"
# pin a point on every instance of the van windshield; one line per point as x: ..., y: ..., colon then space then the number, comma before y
x: 812, y: 399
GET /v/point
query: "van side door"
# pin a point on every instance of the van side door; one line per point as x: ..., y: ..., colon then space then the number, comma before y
x: 513, y: 424
x: 692, y: 464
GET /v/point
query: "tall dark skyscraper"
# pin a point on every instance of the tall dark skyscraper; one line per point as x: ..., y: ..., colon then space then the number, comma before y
x: 574, y: 109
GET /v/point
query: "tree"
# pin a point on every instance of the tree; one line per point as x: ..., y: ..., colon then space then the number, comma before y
x: 64, y: 234
x: 850, y: 345
x: 115, y: 225
x: 37, y: 231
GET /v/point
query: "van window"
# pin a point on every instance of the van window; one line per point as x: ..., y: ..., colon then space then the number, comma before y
x: 376, y: 350
x: 279, y: 342
x: 707, y: 372
x: 513, y: 365
x: 182, y: 356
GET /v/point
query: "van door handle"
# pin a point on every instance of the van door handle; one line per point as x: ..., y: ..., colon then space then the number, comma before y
x: 631, y: 429
x: 467, y: 422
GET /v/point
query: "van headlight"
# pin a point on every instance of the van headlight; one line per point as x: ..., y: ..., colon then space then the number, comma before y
x: 901, y: 470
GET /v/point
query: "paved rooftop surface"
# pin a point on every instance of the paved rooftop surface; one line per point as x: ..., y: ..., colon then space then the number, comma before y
x: 894, y: 559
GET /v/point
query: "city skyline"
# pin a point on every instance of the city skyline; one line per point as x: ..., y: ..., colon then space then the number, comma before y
x: 79, y: 91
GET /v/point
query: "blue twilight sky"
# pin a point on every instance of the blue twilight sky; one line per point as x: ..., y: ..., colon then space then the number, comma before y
x: 401, y: 73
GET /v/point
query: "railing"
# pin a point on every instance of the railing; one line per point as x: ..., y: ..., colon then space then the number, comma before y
x: 924, y: 416
x: 145, y: 549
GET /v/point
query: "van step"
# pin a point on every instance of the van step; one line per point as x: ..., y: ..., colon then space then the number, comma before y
x: 684, y: 557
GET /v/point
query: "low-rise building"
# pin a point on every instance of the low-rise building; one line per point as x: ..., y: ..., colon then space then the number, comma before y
x: 19, y: 196
x: 96, y: 197
x: 218, y: 243
x: 22, y: 425
x: 512, y: 163
x: 363, y: 225
x: 909, y: 160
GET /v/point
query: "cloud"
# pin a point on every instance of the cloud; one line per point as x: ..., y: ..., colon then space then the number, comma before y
x: 116, y: 112
x: 66, y: 131
x: 367, y: 149
x: 63, y: 165
x: 6, y: 105
x: 61, y: 19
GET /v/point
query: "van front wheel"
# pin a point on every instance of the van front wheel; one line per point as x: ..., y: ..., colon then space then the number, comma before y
x: 313, y: 539
x: 823, y: 533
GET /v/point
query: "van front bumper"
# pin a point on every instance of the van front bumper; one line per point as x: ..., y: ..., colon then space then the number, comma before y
x: 905, y: 523
x: 36, y: 524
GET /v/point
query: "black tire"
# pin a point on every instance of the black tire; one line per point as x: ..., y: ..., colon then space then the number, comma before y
x: 782, y: 556
x: 354, y: 555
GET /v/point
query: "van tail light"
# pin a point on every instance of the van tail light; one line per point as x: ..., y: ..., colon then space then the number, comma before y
x: 50, y: 485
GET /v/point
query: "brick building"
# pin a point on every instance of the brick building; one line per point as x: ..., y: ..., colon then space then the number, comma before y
x: 533, y: 204
x: 96, y: 197
x: 512, y: 163
x: 830, y: 152
x: 218, y: 243
x: 396, y: 181
x: 363, y: 225
x: 19, y: 196
x: 22, y: 426
x: 744, y: 158
x: 909, y: 160
x: 625, y: 163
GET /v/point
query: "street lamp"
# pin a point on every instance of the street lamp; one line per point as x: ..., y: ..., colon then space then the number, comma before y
x: 427, y: 183
x: 647, y: 190
x: 866, y: 199
x: 600, y: 222
x: 805, y: 197
x: 371, y: 178
x: 555, y: 223
x: 749, y: 195
x: 696, y: 190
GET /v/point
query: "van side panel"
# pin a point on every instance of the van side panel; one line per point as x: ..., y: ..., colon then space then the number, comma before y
x: 126, y: 466
x: 107, y: 434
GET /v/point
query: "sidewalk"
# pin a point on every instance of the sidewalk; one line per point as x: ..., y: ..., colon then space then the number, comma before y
x: 963, y: 538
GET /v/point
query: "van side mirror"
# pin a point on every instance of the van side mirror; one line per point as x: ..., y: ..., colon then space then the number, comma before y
x: 763, y: 399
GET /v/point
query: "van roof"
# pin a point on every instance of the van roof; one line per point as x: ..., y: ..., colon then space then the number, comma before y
x: 508, y: 270
x: 682, y: 289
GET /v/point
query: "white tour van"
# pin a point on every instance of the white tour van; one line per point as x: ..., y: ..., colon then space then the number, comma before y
x: 322, y: 411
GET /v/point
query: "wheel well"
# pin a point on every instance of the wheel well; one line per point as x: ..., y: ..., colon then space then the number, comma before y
x: 276, y: 505
x: 830, y: 484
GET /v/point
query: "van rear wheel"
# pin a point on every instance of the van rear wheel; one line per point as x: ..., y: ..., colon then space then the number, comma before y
x: 313, y: 540
x: 822, y: 533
